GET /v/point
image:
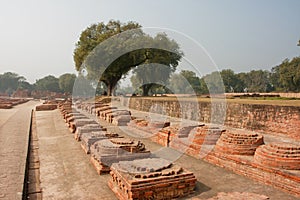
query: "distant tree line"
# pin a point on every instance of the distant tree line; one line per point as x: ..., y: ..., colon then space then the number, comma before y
x: 10, y: 82
x: 284, y: 77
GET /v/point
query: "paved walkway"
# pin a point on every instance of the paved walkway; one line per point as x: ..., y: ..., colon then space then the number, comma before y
x: 14, y: 129
x: 65, y: 170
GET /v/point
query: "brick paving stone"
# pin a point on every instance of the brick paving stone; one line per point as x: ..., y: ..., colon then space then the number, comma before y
x: 65, y: 170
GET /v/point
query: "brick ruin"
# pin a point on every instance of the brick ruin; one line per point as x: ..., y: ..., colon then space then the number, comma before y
x: 45, y: 107
x: 87, y: 140
x: 109, y: 149
x: 87, y: 129
x: 278, y: 155
x: 106, y: 152
x: 7, y: 103
x: 271, y: 119
x: 146, y: 128
x: 241, y: 151
x: 238, y: 143
x: 152, y: 178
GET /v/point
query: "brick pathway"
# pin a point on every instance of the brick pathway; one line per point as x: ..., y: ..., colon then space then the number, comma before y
x: 65, y: 170
x: 14, y: 129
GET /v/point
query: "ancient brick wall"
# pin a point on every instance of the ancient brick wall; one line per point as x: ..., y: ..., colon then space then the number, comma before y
x: 272, y: 119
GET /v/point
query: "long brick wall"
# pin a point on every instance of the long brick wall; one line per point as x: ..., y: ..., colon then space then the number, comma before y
x: 281, y: 94
x: 272, y: 119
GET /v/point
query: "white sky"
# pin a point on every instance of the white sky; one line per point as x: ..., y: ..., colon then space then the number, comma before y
x: 37, y: 37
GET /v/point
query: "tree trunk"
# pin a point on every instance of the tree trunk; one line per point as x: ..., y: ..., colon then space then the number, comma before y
x: 111, y: 88
x: 146, y: 89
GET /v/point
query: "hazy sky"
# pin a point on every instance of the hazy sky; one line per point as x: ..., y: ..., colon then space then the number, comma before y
x: 37, y: 37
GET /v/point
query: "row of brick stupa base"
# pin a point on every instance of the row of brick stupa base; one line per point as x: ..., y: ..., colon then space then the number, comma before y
x: 276, y: 164
x: 135, y: 174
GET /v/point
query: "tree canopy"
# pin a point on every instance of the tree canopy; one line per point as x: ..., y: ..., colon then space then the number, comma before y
x: 110, y: 51
x: 66, y: 82
x: 286, y: 76
x: 10, y: 82
x: 48, y: 83
x: 186, y: 82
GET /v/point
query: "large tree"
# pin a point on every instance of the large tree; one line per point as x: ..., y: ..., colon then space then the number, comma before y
x: 289, y: 74
x: 231, y: 81
x: 256, y: 81
x: 66, y: 82
x: 160, y: 64
x: 186, y: 82
x: 90, y: 38
x: 213, y: 83
x: 48, y: 83
x: 9, y: 82
x: 109, y: 51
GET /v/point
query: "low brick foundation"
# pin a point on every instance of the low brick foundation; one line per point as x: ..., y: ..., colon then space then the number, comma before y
x: 273, y: 119
x: 286, y: 180
x: 238, y: 143
x: 278, y: 155
x: 150, y: 179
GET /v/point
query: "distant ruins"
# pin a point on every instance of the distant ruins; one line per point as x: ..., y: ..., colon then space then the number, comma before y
x: 7, y: 103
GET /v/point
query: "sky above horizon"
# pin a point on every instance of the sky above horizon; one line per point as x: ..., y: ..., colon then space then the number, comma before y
x: 37, y: 38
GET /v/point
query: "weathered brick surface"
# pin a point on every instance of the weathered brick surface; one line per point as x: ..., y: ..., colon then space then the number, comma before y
x: 153, y: 178
x: 115, y: 113
x: 278, y: 155
x: 73, y: 125
x: 268, y: 118
x: 86, y: 130
x: 106, y: 152
x: 287, y: 180
x: 121, y: 120
x: 44, y: 107
x: 236, y: 196
x: 103, y: 111
x: 150, y: 128
x: 7, y: 103
x: 87, y: 140
x: 189, y: 139
x: 234, y: 150
x: 239, y: 142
